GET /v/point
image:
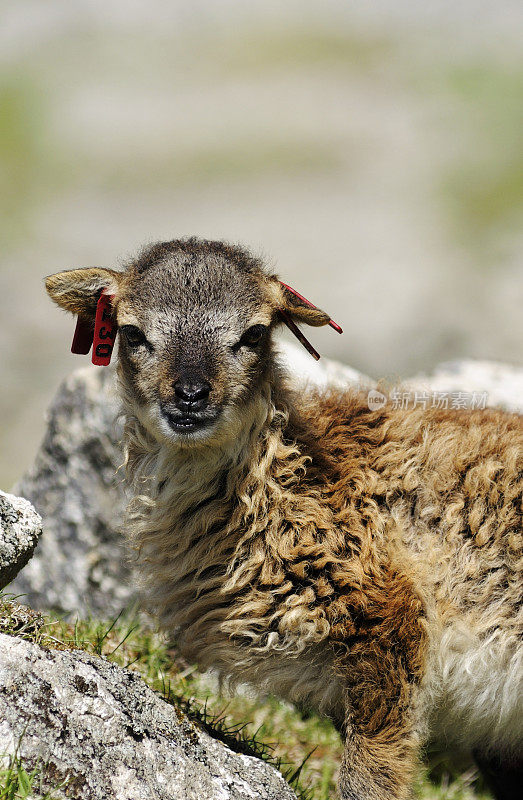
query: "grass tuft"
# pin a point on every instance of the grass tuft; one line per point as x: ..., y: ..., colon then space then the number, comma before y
x: 19, y: 781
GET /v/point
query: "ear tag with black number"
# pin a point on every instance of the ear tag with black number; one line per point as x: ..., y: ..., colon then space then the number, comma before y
x: 105, y: 329
x: 294, y: 328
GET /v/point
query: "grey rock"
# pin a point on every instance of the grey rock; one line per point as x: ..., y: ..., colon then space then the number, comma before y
x: 81, y: 563
x: 20, y: 529
x: 104, y: 732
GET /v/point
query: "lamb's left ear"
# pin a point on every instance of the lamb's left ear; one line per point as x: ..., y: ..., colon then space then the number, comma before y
x: 293, y: 307
x: 298, y: 307
x: 78, y: 290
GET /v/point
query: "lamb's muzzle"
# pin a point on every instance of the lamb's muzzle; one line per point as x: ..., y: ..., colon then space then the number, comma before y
x: 364, y: 562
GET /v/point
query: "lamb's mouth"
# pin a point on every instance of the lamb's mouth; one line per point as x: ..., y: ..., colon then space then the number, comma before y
x: 187, y: 423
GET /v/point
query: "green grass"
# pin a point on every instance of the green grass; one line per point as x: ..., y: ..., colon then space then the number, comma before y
x: 18, y: 781
x: 15, y: 781
x: 305, y: 747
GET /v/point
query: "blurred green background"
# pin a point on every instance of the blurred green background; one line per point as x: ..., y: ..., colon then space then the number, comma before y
x: 372, y: 152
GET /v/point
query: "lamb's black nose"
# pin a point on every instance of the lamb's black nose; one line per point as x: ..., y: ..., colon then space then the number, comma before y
x: 191, y: 396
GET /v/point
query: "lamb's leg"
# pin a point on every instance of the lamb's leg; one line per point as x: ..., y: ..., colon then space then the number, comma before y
x: 381, y: 735
x: 383, y: 669
x: 377, y: 769
x: 503, y: 777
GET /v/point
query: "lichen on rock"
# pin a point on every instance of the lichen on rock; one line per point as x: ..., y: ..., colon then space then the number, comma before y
x: 20, y: 530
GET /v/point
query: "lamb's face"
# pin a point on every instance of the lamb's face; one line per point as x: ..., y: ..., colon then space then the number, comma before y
x: 194, y: 344
x: 195, y: 319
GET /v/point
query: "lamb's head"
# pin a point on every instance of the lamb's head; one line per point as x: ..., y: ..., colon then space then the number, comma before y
x: 195, y: 320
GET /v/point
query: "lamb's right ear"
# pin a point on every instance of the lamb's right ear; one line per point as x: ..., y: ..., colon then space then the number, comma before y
x: 78, y: 290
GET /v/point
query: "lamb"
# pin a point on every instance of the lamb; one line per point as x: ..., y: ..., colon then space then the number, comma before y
x: 365, y: 563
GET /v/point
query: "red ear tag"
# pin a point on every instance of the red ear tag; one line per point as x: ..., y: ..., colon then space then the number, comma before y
x: 104, y: 331
x: 294, y: 328
x: 83, y: 336
x: 298, y: 334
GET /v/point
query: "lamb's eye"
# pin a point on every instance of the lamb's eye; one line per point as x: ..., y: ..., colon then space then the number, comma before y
x: 253, y: 336
x: 133, y: 335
